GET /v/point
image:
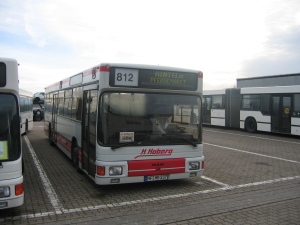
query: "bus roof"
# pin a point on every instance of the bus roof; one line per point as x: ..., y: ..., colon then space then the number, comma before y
x: 214, y: 92
x: 25, y: 93
x: 9, y: 76
x: 87, y: 77
x: 271, y: 90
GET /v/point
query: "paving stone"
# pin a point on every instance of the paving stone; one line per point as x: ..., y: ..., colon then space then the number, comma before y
x: 232, y: 157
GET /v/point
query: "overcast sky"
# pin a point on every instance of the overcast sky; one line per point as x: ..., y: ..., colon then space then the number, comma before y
x: 226, y: 39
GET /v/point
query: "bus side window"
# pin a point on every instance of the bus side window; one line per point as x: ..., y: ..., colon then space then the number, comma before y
x: 79, y: 109
x: 265, y: 104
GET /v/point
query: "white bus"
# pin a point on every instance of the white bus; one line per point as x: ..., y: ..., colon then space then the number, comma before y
x: 11, y: 173
x: 123, y: 123
x: 270, y: 109
x: 26, y: 111
x: 222, y: 107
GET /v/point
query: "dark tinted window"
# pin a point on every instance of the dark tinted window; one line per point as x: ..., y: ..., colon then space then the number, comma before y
x: 251, y: 102
x: 2, y: 74
x: 9, y: 128
x: 265, y: 104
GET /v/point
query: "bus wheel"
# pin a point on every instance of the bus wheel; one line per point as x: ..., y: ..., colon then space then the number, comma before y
x: 52, y: 143
x: 26, y: 127
x: 250, y: 125
x: 49, y: 133
x: 75, y: 159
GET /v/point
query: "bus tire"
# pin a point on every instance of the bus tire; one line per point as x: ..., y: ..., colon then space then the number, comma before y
x: 49, y: 133
x: 75, y: 158
x: 50, y: 136
x: 250, y: 125
x: 26, y: 127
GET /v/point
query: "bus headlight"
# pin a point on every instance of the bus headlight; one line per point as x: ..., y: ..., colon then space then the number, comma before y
x: 115, y: 170
x: 4, y: 192
x: 194, y: 165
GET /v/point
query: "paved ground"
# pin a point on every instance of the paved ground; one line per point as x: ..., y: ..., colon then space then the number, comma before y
x: 248, y: 179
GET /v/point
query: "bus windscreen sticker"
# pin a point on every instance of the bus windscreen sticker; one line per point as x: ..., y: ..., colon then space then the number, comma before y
x: 126, y: 137
x: 3, y: 150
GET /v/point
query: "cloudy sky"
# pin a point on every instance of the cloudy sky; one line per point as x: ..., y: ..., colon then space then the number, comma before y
x: 55, y: 39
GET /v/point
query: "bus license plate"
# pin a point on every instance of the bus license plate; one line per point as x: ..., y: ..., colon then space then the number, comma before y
x: 156, y: 177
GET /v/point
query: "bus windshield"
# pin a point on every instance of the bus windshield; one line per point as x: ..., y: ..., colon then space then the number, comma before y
x: 149, y: 119
x: 9, y: 128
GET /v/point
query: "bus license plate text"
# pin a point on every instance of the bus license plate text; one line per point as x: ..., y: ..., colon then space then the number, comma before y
x: 156, y: 177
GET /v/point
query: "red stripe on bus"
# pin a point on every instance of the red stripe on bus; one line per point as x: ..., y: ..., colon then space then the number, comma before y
x: 64, y: 142
x: 87, y: 73
x: 200, y: 75
x: 58, y: 83
x: 156, y: 172
x: 156, y: 167
x: 66, y: 80
x: 104, y: 68
x: 53, y: 85
x: 80, y: 154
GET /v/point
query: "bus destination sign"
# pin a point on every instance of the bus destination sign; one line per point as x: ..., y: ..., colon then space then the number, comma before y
x: 153, y: 79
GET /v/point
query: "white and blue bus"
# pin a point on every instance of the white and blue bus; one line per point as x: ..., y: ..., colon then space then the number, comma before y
x: 11, y: 173
x: 270, y: 109
x: 126, y: 123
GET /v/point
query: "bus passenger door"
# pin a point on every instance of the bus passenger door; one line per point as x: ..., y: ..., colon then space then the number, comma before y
x: 206, y: 110
x: 54, y: 118
x: 281, y: 114
x: 89, y: 131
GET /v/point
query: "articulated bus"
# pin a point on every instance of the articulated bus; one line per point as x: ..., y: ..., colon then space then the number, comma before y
x: 26, y: 111
x: 11, y: 173
x: 270, y: 109
x: 127, y: 123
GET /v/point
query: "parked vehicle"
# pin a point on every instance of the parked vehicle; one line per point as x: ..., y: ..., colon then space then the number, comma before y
x: 38, y: 106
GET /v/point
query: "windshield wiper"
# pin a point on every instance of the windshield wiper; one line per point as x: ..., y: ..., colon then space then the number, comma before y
x: 184, y: 139
x: 188, y: 141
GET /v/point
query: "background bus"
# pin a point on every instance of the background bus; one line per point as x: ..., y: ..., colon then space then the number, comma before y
x: 26, y: 111
x: 122, y: 123
x: 38, y: 106
x: 11, y: 176
x: 270, y: 109
x: 222, y: 107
